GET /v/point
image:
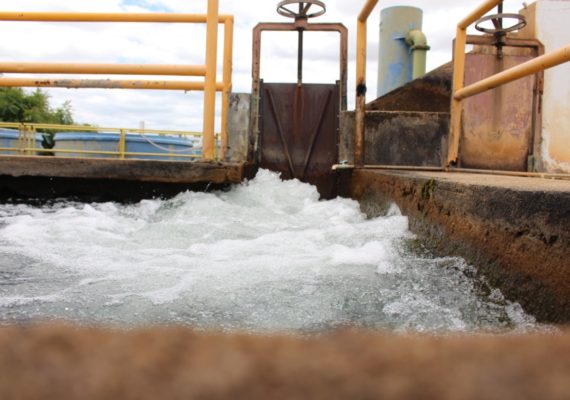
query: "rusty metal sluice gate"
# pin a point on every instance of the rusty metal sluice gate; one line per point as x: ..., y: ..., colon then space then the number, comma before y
x: 295, y: 126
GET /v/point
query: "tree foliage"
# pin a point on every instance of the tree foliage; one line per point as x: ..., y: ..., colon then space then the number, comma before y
x: 16, y: 105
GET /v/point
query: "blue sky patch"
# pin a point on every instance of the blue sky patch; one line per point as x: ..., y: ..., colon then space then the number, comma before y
x: 149, y: 5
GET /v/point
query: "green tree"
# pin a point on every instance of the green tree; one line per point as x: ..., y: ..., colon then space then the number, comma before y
x: 16, y: 105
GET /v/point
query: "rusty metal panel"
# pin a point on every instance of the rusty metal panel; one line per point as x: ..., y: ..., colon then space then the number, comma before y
x: 299, y: 132
x: 498, y: 125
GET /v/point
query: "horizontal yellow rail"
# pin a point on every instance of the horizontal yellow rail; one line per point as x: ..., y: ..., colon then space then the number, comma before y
x: 89, y: 128
x: 108, y: 17
x: 209, y: 85
x: 100, y: 152
x: 112, y: 69
x: 531, y: 67
x: 107, y: 84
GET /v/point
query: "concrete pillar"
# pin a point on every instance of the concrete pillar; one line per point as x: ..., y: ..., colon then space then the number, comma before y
x: 238, y: 127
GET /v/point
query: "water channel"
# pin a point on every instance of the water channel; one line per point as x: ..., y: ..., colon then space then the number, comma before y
x: 265, y: 256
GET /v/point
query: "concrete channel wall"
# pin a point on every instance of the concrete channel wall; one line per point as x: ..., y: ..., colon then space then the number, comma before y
x: 516, y: 231
x: 408, y: 138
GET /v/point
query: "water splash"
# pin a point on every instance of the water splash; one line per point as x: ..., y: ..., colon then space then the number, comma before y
x: 265, y: 256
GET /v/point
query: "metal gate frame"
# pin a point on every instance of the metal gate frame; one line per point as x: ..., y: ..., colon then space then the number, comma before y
x: 298, y: 25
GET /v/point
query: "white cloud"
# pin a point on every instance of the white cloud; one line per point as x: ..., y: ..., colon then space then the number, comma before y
x: 184, y: 44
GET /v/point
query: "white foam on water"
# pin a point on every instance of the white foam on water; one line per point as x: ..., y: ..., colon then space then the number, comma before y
x: 264, y: 256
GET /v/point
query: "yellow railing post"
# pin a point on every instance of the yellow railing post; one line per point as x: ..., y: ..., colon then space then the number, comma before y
x: 210, y: 89
x: 20, y: 138
x: 29, y: 131
x: 122, y: 143
x: 228, y: 57
x: 458, y: 77
x: 34, y: 131
x: 360, y: 112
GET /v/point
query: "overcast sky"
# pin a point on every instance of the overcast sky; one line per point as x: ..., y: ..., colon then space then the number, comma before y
x: 185, y: 44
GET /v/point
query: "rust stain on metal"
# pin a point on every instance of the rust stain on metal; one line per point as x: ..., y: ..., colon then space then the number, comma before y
x: 499, y: 126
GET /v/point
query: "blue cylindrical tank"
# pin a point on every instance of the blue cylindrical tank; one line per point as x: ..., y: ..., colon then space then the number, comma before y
x: 395, y: 65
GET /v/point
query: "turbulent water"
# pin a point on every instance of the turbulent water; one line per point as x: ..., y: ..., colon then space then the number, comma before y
x: 265, y: 256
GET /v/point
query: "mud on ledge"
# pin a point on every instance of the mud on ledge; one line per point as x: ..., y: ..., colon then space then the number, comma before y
x: 518, y: 239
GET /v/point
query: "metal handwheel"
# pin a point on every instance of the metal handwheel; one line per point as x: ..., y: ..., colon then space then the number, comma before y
x: 286, y: 9
x: 497, y: 20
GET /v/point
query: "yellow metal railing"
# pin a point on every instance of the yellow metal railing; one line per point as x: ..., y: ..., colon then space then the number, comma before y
x: 361, y: 26
x: 209, y: 85
x: 460, y: 92
x: 26, y: 143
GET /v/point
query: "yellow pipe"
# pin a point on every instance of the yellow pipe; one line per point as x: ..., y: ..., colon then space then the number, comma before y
x: 210, y: 87
x: 107, y: 84
x: 533, y: 66
x: 227, y: 79
x: 113, y: 69
x: 417, y: 41
x: 107, y: 17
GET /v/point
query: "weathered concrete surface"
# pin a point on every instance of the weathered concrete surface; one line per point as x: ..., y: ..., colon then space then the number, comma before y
x: 547, y: 21
x: 397, y: 138
x: 71, y: 363
x: 106, y: 178
x: 515, y: 230
x: 238, y: 126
